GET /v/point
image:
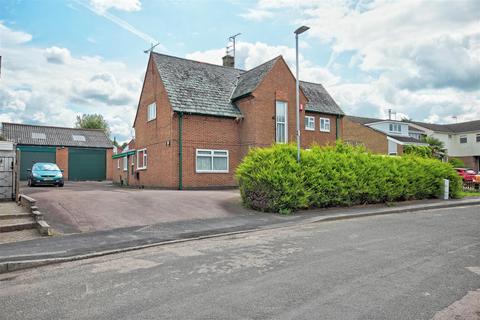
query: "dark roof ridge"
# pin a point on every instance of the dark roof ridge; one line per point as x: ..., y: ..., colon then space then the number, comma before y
x: 196, y: 61
x: 56, y: 127
x: 310, y: 82
x: 261, y: 65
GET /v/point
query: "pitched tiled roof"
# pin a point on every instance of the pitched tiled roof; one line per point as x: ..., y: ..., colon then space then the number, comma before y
x: 27, y: 134
x: 453, y: 128
x: 204, y: 88
x: 405, y: 139
x: 363, y: 120
x: 248, y: 81
x: 318, y: 99
x: 197, y: 87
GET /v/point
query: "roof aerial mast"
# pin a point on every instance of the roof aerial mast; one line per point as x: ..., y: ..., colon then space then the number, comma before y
x: 152, y: 46
x: 231, y: 48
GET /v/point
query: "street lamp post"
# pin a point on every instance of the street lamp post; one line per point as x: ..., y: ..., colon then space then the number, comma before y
x: 300, y: 30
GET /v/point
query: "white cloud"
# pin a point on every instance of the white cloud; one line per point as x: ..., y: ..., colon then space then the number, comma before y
x: 57, y: 55
x: 421, y: 58
x: 250, y: 55
x: 36, y: 91
x: 123, y: 5
x: 256, y: 14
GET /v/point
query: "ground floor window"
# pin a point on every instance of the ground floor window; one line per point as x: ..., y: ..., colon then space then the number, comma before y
x: 309, y: 123
x: 125, y: 163
x: 142, y: 159
x: 215, y: 161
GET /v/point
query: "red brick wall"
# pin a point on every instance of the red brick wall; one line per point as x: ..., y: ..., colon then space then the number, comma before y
x: 308, y: 138
x: 257, y: 128
x: 158, y: 136
x: 357, y: 133
x: 62, y: 161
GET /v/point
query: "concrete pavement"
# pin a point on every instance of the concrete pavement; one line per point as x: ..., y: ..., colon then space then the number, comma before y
x: 27, y: 254
x: 398, y: 266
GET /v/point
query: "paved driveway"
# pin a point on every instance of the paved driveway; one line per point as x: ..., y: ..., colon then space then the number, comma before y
x: 92, y: 206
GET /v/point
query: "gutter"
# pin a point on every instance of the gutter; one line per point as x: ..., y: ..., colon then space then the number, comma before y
x: 180, y: 151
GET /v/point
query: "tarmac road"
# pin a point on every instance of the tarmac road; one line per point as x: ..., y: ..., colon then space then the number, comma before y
x: 401, y: 266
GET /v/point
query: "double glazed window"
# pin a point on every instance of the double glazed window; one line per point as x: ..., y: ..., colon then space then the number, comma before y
x: 215, y: 161
x: 281, y: 130
x: 152, y: 111
x: 125, y: 163
x: 324, y: 124
x: 142, y: 159
x: 463, y: 139
x: 395, y: 127
x: 309, y: 123
x: 478, y: 137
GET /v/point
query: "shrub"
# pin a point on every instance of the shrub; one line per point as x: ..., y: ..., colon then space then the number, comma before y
x: 421, y: 151
x: 456, y: 163
x: 270, y: 179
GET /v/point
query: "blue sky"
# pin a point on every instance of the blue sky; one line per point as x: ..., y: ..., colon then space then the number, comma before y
x: 62, y: 58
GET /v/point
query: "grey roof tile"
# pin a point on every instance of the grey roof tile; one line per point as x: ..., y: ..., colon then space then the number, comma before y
x: 27, y: 134
x: 204, y: 88
x: 318, y: 99
x: 197, y: 87
x: 405, y: 139
x: 248, y: 81
x: 452, y: 128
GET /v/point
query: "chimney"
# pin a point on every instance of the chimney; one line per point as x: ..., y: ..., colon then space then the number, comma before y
x: 228, y: 61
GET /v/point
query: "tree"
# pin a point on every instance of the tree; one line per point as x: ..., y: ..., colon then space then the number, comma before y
x: 438, y: 147
x: 92, y: 121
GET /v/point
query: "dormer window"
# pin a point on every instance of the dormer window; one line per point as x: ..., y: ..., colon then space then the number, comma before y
x: 395, y: 127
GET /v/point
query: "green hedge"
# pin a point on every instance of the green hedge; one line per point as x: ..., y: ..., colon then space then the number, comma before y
x: 270, y: 179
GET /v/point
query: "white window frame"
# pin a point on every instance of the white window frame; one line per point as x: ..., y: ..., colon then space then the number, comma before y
x: 151, y: 115
x: 212, y: 155
x: 326, y: 123
x: 478, y: 137
x: 310, y: 120
x: 125, y: 163
x: 133, y: 159
x: 285, y: 123
x: 144, y: 159
x: 392, y: 127
x: 118, y: 163
x: 466, y: 139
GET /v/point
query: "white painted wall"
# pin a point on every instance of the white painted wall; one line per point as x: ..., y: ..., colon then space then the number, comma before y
x: 457, y: 149
x: 385, y: 127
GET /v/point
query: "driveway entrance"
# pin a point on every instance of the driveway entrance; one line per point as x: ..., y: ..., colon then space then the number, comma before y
x: 93, y: 206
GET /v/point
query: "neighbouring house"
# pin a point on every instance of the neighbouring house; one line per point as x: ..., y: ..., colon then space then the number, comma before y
x: 195, y: 121
x: 461, y: 140
x: 83, y: 154
x: 380, y: 136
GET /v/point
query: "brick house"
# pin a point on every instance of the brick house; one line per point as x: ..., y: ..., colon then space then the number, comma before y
x: 380, y: 136
x: 196, y: 121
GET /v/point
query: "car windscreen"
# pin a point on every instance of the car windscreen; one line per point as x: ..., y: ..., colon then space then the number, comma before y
x: 46, y: 167
x: 471, y: 172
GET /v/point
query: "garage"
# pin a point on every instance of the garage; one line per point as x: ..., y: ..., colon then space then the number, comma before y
x: 86, y: 164
x: 81, y: 153
x: 30, y: 155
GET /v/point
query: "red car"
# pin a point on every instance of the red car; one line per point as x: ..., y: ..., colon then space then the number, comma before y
x: 467, y: 174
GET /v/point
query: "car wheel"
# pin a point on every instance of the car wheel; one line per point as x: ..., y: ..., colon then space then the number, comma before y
x: 60, y: 184
x: 30, y: 182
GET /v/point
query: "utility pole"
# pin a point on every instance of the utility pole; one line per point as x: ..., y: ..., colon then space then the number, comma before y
x: 300, y: 30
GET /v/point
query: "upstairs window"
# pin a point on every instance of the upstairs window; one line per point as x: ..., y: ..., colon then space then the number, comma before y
x: 309, y: 123
x: 152, y: 112
x: 463, y: 139
x: 281, y: 122
x: 142, y: 159
x: 214, y: 161
x: 478, y: 137
x: 324, y: 124
x: 395, y: 127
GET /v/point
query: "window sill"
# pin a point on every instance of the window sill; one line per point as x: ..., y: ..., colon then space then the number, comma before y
x: 201, y: 171
x: 326, y: 131
x: 151, y: 120
x: 309, y: 129
x: 142, y: 169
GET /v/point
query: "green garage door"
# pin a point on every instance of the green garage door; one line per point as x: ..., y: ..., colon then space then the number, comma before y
x: 30, y: 155
x: 86, y: 164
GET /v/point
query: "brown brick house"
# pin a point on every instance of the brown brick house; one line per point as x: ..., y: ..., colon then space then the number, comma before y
x: 195, y: 121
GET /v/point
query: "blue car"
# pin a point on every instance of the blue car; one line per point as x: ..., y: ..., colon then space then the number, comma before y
x: 43, y: 173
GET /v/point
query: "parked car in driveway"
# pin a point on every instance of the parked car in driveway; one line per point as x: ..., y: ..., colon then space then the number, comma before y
x: 468, y: 174
x: 44, y: 173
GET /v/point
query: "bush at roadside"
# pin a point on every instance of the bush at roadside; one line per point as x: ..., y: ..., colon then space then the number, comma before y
x: 270, y: 179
